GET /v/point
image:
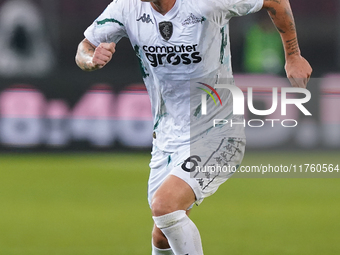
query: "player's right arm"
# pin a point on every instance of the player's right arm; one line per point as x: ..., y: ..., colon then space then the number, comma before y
x: 90, y: 57
x: 297, y: 67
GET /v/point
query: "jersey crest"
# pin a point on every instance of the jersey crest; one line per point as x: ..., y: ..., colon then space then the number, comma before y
x: 166, y: 29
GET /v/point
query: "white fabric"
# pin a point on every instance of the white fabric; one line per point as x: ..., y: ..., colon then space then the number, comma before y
x: 181, y: 232
x: 211, y: 150
x: 197, y: 51
x: 157, y: 251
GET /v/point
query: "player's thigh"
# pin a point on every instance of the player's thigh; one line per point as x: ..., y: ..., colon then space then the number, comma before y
x: 174, y: 194
x: 210, y: 151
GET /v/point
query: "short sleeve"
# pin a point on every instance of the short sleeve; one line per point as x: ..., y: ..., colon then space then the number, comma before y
x: 221, y: 11
x: 243, y: 7
x: 109, y: 26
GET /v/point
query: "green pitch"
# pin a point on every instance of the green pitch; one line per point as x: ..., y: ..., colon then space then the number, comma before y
x: 95, y: 204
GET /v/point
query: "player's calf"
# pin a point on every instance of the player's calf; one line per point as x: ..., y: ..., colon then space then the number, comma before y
x: 158, y: 239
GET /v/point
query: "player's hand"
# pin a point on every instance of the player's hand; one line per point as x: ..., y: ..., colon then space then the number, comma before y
x: 103, y: 54
x: 298, y: 71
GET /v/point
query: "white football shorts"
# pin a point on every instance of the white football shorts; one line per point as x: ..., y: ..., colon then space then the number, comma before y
x: 204, y: 165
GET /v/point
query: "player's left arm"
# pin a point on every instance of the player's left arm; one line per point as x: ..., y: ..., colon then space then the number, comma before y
x: 297, y: 67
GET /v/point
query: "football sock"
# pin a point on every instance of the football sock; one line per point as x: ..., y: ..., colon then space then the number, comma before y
x: 181, y: 232
x: 157, y: 251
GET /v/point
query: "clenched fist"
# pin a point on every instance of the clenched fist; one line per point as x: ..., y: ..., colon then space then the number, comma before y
x: 103, y: 54
x: 298, y: 71
x: 90, y: 57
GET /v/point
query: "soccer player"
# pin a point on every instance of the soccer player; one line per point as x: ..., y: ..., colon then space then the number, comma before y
x: 183, y: 49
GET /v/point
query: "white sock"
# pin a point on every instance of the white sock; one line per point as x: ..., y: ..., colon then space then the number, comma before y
x: 157, y: 251
x: 181, y: 232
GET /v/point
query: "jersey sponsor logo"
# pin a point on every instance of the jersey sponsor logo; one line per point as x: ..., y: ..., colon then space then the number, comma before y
x: 192, y: 19
x: 174, y: 55
x: 166, y: 29
x: 145, y: 18
x: 192, y: 162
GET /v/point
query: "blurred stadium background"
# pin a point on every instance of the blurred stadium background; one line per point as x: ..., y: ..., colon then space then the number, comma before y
x: 75, y: 146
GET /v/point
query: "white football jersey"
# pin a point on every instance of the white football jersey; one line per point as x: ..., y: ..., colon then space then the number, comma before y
x: 182, y: 54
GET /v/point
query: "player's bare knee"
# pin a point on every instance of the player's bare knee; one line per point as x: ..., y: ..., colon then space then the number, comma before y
x: 161, y: 206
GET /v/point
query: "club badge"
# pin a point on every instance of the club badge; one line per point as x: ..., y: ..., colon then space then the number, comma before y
x: 166, y: 29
